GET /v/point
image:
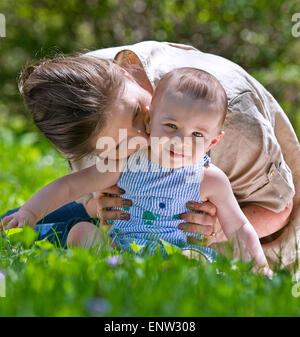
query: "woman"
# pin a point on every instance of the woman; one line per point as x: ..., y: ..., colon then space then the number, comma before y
x: 68, y: 97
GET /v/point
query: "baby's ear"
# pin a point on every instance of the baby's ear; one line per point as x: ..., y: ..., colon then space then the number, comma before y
x: 219, y: 137
x: 221, y: 134
x: 215, y: 140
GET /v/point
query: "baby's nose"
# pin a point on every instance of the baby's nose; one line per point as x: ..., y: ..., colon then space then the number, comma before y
x: 184, y: 142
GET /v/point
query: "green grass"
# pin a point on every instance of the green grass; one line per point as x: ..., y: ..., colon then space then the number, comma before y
x: 27, y: 163
x: 43, y: 280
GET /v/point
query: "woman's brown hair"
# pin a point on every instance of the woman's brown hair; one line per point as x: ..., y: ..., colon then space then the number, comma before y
x: 68, y: 97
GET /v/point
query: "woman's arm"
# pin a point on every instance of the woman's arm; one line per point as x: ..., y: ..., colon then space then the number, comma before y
x: 60, y: 192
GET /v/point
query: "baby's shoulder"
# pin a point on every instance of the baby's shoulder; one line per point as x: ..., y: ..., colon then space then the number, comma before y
x: 213, y: 178
x: 211, y: 172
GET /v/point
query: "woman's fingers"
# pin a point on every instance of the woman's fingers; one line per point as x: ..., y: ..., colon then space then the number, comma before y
x: 206, y: 207
x: 105, y: 211
x: 114, y: 215
x: 113, y: 190
x: 108, y: 202
x: 195, y: 228
x: 200, y: 219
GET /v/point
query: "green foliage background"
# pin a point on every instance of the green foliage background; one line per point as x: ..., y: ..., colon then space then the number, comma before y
x: 253, y: 33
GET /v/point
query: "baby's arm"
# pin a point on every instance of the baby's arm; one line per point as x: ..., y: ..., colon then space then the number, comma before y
x: 60, y: 192
x: 215, y: 186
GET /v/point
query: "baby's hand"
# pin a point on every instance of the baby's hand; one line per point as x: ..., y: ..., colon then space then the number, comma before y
x: 18, y: 219
x: 265, y: 270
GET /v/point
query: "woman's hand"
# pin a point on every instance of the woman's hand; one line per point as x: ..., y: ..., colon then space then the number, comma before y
x: 108, y: 199
x: 202, y: 220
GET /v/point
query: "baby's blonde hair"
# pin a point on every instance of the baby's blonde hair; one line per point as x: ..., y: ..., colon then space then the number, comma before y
x: 195, y: 83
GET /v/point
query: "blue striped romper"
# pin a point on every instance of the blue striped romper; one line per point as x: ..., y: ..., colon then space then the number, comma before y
x: 158, y: 195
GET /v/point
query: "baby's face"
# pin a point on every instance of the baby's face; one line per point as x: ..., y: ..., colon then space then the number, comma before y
x: 182, y: 130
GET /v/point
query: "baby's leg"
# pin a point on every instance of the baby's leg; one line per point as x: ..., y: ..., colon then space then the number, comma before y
x: 86, y: 235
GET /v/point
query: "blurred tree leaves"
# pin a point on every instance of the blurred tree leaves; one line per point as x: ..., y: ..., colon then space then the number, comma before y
x: 253, y: 33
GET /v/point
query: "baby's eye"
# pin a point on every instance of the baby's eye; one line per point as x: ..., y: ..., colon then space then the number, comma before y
x: 198, y: 134
x: 173, y: 126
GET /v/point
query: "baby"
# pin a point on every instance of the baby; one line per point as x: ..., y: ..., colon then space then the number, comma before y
x: 186, y: 117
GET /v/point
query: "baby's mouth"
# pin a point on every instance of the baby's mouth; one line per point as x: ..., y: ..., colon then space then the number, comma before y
x: 176, y: 154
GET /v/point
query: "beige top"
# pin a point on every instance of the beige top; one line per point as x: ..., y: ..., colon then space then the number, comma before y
x: 249, y: 152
